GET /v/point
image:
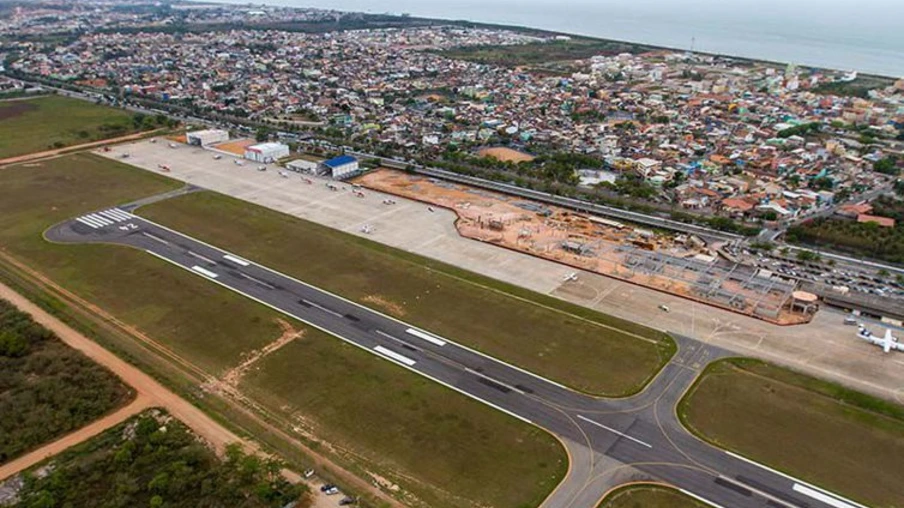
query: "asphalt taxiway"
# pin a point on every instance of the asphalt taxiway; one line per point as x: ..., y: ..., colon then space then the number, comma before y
x: 610, y: 441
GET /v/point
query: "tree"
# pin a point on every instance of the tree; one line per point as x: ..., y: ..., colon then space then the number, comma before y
x: 262, y: 134
x: 887, y: 166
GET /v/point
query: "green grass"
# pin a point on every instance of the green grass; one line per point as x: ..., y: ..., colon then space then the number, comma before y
x: 648, y: 496
x: 561, y: 341
x: 461, y: 452
x: 837, y: 438
x: 212, y: 327
x: 46, y: 123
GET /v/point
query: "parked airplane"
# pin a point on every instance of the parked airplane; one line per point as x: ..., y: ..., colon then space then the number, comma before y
x: 217, y: 157
x: 238, y: 162
x: 163, y: 167
x: 573, y: 276
x: 887, y: 343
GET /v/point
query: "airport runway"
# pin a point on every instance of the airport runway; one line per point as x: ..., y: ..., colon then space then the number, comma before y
x: 610, y: 441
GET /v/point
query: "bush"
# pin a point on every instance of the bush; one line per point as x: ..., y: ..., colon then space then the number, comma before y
x: 46, y: 388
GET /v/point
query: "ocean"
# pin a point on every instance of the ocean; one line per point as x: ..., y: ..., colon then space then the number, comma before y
x: 862, y: 35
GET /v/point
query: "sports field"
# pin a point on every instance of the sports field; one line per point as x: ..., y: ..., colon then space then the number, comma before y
x: 648, y: 496
x: 570, y: 344
x: 822, y: 433
x: 373, y: 410
x: 45, y: 123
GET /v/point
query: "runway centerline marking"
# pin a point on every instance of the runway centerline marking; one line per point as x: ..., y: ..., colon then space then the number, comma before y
x: 202, y: 258
x: 610, y: 429
x: 258, y: 281
x: 321, y: 307
x: 155, y: 238
x: 395, y: 356
x: 426, y: 336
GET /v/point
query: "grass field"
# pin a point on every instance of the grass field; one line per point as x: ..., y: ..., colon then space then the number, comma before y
x: 564, y: 342
x: 459, y: 451
x: 213, y: 327
x: 46, y: 123
x: 841, y: 440
x: 648, y: 496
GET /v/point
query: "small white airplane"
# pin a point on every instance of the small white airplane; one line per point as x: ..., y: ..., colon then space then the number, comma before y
x: 367, y: 229
x: 573, y: 276
x: 238, y: 162
x: 887, y: 343
x: 217, y: 157
x: 284, y: 174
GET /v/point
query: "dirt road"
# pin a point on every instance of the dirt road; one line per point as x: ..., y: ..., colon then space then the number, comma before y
x: 149, y: 393
x: 138, y: 405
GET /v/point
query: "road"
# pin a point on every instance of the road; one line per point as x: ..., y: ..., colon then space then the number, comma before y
x: 609, y: 441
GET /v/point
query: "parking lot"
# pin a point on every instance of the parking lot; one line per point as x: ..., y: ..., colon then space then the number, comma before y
x: 824, y: 347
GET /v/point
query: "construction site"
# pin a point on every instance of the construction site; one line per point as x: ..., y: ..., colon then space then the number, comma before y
x: 683, y: 265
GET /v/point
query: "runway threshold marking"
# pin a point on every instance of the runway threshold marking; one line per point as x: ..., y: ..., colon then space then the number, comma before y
x: 800, y: 483
x: 83, y: 221
x: 240, y: 262
x: 204, y: 271
x: 426, y: 336
x: 395, y: 356
x: 610, y: 429
x: 119, y: 213
x: 98, y: 218
x: 95, y: 223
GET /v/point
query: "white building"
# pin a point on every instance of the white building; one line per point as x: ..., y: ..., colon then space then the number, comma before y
x: 207, y: 137
x: 266, y: 152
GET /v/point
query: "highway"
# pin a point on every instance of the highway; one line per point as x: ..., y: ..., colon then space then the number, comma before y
x: 609, y: 440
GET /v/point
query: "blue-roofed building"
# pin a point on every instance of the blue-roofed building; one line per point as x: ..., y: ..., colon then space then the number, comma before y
x: 342, y: 167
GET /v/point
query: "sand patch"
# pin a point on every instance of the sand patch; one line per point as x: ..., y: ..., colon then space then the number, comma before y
x: 391, y: 308
x: 505, y: 154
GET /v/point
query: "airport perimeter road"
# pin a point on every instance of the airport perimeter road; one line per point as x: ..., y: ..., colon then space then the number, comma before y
x: 610, y: 441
